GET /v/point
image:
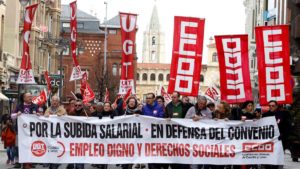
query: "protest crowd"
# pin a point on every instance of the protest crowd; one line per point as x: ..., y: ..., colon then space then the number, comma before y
x: 233, y: 104
x: 155, y: 106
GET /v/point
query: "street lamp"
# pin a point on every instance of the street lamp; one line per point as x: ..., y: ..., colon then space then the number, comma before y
x: 60, y: 49
x: 23, y: 2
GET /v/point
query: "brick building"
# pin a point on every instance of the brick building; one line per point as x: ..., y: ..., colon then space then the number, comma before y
x: 114, y: 57
x: 89, y: 45
x: 91, y: 53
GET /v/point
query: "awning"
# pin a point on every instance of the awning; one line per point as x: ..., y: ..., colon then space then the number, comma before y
x: 3, y: 97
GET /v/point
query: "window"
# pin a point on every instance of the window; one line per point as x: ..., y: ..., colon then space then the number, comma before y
x: 112, y: 31
x: 145, y: 77
x: 120, y: 69
x: 50, y: 24
x: 168, y: 77
x: 66, y: 24
x: 153, y: 40
x: 160, y: 77
x: 201, y: 78
x: 152, y: 77
x: 114, y: 69
x: 137, y: 76
x: 215, y: 57
x: 80, y: 25
x: 66, y: 51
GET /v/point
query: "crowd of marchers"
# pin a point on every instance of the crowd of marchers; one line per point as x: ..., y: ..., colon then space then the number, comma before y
x: 155, y: 106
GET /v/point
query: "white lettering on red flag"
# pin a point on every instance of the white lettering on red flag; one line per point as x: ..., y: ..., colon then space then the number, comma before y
x: 187, y: 55
x: 86, y: 90
x: 26, y: 74
x: 273, y: 56
x: 76, y: 70
x: 128, y: 31
x: 41, y: 99
x: 235, y: 81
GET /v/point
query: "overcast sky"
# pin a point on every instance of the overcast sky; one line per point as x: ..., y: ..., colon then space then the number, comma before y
x: 221, y: 16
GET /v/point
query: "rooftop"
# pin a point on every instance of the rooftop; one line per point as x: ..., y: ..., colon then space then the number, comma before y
x: 81, y: 15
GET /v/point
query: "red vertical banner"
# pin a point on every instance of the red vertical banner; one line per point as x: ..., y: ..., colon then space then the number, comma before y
x: 273, y: 55
x: 234, y: 68
x: 187, y: 55
x: 26, y: 74
x: 76, y: 71
x: 128, y: 31
x: 48, y: 81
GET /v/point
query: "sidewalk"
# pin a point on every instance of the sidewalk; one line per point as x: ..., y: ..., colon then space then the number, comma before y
x: 2, y: 147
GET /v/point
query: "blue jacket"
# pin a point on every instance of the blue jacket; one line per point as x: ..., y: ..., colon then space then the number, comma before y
x: 155, y: 111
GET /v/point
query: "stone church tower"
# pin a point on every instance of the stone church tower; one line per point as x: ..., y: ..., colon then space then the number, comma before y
x: 154, y: 41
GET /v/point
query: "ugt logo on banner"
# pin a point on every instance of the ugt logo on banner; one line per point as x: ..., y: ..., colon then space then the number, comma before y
x: 273, y: 55
x: 187, y: 55
x: 128, y: 31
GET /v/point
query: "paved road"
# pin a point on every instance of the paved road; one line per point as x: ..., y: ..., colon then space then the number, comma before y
x: 289, y: 164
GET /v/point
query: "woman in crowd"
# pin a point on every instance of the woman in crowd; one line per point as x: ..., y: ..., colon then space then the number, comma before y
x: 8, y: 137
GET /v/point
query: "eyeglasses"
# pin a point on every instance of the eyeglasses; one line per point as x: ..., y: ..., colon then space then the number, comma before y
x: 78, y: 105
x: 149, y: 98
x: 272, y: 105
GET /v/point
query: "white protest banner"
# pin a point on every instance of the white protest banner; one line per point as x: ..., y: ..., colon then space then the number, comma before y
x: 142, y: 139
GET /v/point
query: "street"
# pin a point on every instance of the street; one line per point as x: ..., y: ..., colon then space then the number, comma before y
x: 289, y: 164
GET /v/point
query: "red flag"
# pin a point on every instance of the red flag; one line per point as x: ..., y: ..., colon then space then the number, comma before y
x: 76, y: 71
x: 128, y: 31
x: 273, y: 55
x: 41, y: 99
x: 114, y: 105
x: 86, y: 91
x: 234, y: 68
x: 48, y: 81
x: 165, y: 95
x: 127, y: 95
x: 210, y: 94
x: 106, y: 98
x: 187, y: 56
x: 26, y: 73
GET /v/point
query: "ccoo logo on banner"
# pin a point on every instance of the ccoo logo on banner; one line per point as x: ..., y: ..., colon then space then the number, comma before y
x: 273, y: 55
x: 234, y: 68
x: 187, y: 56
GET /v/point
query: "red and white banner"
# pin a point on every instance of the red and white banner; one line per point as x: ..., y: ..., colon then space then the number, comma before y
x: 41, y: 99
x: 48, y: 81
x: 26, y: 74
x: 128, y: 31
x: 273, y: 56
x: 187, y: 56
x: 86, y: 91
x: 76, y: 71
x: 106, y: 98
x: 126, y: 96
x: 212, y: 93
x: 234, y: 68
x: 165, y: 95
x: 143, y: 139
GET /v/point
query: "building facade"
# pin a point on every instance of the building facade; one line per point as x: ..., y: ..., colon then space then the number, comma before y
x: 45, y: 28
x: 89, y: 45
